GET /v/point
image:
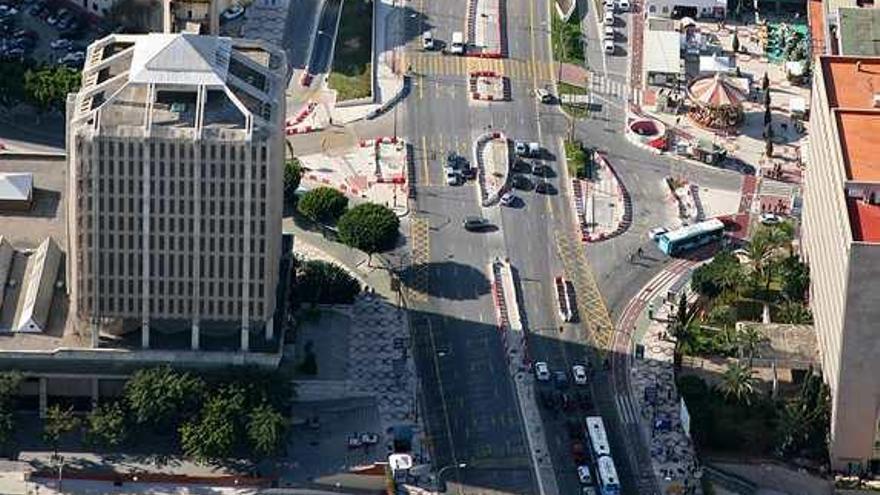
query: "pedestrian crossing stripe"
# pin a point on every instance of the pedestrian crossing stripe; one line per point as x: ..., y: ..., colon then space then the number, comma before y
x: 429, y: 63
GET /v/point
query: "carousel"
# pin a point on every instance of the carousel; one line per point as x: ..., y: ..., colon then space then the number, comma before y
x: 717, y: 102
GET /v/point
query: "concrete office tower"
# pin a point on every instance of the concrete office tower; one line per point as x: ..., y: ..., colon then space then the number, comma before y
x: 175, y: 153
x: 194, y: 16
x: 841, y: 240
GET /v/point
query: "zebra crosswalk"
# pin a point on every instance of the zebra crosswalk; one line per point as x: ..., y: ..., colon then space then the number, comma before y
x: 437, y: 64
x: 611, y: 88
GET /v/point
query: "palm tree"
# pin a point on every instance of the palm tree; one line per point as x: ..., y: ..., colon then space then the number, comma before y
x: 738, y: 382
x: 749, y: 341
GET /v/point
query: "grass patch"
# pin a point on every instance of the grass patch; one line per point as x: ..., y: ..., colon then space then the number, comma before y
x: 566, y: 38
x: 352, y: 70
x: 576, y: 111
x: 577, y: 158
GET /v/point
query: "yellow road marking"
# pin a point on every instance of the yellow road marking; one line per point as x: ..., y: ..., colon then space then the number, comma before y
x: 427, y: 175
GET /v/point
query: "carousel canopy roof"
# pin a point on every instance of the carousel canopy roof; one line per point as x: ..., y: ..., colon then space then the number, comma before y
x: 716, y: 91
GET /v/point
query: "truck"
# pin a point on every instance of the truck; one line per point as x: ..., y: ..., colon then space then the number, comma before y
x: 457, y: 47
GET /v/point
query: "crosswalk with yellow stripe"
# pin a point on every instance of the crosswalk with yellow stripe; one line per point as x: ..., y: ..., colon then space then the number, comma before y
x: 435, y: 63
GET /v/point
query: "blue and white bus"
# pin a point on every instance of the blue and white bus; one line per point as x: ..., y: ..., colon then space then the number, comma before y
x: 690, y: 237
x: 609, y: 484
x: 598, y: 438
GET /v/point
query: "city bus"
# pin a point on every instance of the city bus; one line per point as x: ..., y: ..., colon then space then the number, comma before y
x: 598, y: 438
x: 690, y: 237
x: 608, y: 482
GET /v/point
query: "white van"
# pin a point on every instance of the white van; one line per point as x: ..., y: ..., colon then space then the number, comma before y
x: 428, y: 40
x: 457, y: 47
x: 623, y: 5
x: 609, y: 33
x: 609, y: 46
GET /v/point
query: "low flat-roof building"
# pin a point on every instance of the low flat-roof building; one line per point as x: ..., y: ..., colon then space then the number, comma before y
x: 841, y: 242
x: 16, y: 191
x: 662, y: 57
x: 858, y: 31
x: 687, y: 8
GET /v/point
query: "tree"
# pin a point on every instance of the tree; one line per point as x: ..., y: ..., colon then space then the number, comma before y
x: 105, y: 425
x: 738, y: 383
x: 323, y: 204
x: 768, y: 148
x: 265, y: 430
x: 795, y: 276
x: 293, y: 172
x: 11, y: 82
x: 767, y: 101
x: 162, y: 396
x: 794, y: 313
x: 48, y: 88
x: 9, y: 384
x: 804, y: 422
x: 321, y: 282
x: 765, y: 83
x: 749, y: 341
x: 768, y: 119
x: 369, y: 227
x: 59, y: 422
x: 212, y: 436
x: 723, y: 273
x: 735, y: 43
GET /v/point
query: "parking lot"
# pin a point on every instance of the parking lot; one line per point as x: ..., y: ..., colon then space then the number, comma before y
x: 44, y: 33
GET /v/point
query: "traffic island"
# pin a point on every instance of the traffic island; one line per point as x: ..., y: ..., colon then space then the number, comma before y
x: 602, y: 205
x: 489, y: 86
x: 486, y: 29
x: 492, y: 159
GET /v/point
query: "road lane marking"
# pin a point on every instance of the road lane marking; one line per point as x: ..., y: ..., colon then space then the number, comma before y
x: 427, y: 179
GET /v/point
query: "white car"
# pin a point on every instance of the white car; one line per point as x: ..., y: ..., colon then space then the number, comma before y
x: 623, y: 5
x: 428, y: 40
x: 608, y: 18
x: 584, y: 475
x: 609, y: 47
x: 527, y: 149
x: 580, y: 374
x: 542, y: 371
x: 609, y: 5
x: 656, y: 232
x: 770, y: 219
x: 508, y: 198
x: 609, y: 33
x: 233, y: 12
x: 453, y: 178
x: 60, y: 44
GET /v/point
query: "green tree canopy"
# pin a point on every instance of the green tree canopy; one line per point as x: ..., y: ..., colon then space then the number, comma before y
x: 321, y: 282
x: 723, y: 273
x: 105, y: 425
x: 47, y: 88
x: 804, y: 422
x: 162, y: 396
x: 59, y: 421
x: 212, y: 436
x: 323, y: 204
x: 265, y: 430
x: 293, y: 172
x: 795, y: 276
x: 738, y: 383
x: 370, y: 227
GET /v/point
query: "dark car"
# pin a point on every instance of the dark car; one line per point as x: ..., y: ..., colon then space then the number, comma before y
x: 543, y: 170
x: 475, y: 223
x: 520, y: 182
x: 545, y: 187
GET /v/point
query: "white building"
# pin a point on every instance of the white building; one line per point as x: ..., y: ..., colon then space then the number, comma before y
x: 662, y: 57
x: 687, y: 8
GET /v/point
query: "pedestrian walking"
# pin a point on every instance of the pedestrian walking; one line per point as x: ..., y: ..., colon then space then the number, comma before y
x: 640, y: 252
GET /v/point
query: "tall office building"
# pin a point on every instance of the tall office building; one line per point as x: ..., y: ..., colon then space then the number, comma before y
x: 175, y: 156
x: 841, y: 241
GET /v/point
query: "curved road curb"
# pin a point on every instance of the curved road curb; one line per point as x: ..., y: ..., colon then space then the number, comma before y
x: 488, y: 198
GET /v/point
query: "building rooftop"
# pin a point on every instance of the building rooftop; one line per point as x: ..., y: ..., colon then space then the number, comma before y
x: 858, y: 31
x: 864, y: 219
x: 816, y: 20
x: 851, y: 81
x: 181, y: 86
x: 46, y: 216
x: 858, y: 131
x: 16, y: 186
x: 662, y: 51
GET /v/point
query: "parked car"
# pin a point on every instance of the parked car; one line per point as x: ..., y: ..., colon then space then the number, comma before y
x: 608, y: 4
x: 609, y: 32
x: 453, y: 178
x: 233, y: 12
x: 544, y: 96
x: 770, y: 219
x: 542, y: 371
x: 508, y: 199
x: 561, y: 379
x: 521, y: 182
x: 608, y: 46
x: 60, y: 44
x: 527, y: 149
x: 623, y: 5
x: 608, y: 18
x: 584, y: 475
x: 580, y: 374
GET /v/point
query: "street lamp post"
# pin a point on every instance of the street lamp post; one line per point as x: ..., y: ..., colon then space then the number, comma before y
x: 440, y: 484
